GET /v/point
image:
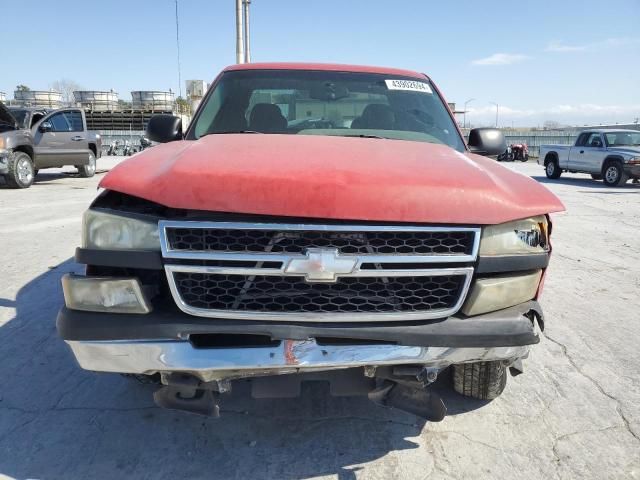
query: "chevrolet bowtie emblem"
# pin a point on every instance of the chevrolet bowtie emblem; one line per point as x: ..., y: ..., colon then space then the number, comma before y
x: 321, y: 265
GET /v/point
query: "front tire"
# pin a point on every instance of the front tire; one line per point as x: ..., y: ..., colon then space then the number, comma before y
x: 552, y: 169
x: 613, y: 175
x: 481, y: 380
x: 21, y: 173
x: 89, y: 170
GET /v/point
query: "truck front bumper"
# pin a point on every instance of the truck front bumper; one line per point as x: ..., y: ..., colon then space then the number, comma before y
x: 632, y: 170
x: 4, y: 161
x: 166, y: 342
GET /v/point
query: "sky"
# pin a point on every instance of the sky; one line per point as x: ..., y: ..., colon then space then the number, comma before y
x: 566, y: 61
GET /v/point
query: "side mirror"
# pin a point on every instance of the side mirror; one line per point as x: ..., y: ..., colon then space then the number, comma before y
x: 164, y: 128
x: 45, y: 127
x: 487, y: 141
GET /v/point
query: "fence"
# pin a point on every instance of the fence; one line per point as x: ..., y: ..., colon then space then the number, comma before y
x: 535, y: 138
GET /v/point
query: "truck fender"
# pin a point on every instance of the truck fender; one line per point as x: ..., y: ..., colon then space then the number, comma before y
x: 28, y: 149
x: 609, y: 159
x: 551, y: 156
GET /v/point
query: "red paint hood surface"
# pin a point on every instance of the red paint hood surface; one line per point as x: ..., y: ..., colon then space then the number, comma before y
x: 331, y: 177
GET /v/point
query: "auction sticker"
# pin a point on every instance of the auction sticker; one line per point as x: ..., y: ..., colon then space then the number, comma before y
x: 410, y: 85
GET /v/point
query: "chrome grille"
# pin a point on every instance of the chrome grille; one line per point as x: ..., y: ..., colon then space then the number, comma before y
x: 326, y: 273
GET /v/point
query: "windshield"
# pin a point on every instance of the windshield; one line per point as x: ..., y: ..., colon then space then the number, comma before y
x: 21, y: 116
x: 300, y: 102
x: 623, y: 139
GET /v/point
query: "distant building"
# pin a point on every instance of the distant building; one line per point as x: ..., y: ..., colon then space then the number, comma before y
x: 196, y: 89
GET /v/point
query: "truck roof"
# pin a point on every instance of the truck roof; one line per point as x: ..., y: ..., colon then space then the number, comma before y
x: 609, y: 130
x: 331, y: 67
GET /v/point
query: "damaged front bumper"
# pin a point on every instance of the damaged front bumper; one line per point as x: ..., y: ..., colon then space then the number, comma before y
x: 166, y: 343
x: 290, y: 356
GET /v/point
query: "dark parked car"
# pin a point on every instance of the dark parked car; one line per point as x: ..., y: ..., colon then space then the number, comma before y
x: 34, y: 138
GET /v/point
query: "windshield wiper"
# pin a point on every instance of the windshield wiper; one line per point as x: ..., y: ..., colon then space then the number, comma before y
x: 228, y: 131
x: 366, y: 136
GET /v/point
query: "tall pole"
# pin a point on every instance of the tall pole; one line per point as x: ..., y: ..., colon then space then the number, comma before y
x: 247, y: 49
x: 239, y: 35
x: 178, y: 45
x: 464, y: 118
x: 494, y: 103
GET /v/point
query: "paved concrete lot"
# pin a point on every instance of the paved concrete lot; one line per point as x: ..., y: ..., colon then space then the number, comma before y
x: 575, y: 413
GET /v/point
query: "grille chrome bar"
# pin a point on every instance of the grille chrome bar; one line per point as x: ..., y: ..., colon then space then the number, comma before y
x: 418, y: 272
x: 279, y: 261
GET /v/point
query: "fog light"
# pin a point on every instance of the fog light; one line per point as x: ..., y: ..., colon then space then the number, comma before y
x: 491, y: 294
x: 104, y: 294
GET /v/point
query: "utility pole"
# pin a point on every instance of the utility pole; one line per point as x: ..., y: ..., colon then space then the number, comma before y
x: 464, y: 118
x: 240, y: 57
x: 178, y: 47
x: 247, y: 49
x: 494, y: 103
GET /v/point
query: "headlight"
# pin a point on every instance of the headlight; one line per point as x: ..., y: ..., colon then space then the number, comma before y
x: 2, y: 142
x: 632, y: 160
x: 99, y: 294
x: 107, y: 231
x: 496, y: 293
x: 513, y: 238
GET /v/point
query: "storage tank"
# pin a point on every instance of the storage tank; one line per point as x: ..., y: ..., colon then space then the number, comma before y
x: 153, y: 100
x: 3, y: 97
x: 196, y: 89
x: 38, y: 98
x: 96, y: 100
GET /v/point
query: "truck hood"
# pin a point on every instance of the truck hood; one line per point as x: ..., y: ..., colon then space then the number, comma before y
x: 628, y: 150
x: 331, y: 177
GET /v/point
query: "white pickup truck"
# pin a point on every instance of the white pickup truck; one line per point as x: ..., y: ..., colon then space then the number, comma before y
x: 612, y: 156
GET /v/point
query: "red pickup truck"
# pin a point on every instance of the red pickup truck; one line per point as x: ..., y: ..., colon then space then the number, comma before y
x: 313, y: 223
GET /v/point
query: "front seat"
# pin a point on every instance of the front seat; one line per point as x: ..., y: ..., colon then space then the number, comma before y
x: 375, y: 116
x: 267, y: 118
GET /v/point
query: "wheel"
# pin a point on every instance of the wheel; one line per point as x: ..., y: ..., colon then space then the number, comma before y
x: 524, y: 158
x: 89, y: 170
x: 596, y: 176
x: 482, y: 380
x: 613, y: 175
x: 552, y: 169
x: 21, y: 173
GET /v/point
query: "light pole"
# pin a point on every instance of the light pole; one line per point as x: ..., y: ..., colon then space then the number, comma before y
x: 247, y: 49
x: 240, y: 58
x: 494, y: 103
x: 464, y: 118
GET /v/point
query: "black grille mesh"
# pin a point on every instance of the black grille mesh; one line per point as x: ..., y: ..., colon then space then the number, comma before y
x: 292, y: 294
x: 277, y: 241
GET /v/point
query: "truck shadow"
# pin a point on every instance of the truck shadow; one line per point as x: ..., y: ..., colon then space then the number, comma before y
x: 589, y: 183
x: 58, y: 421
